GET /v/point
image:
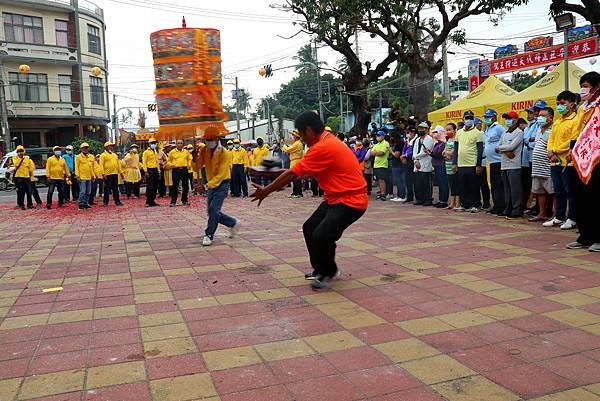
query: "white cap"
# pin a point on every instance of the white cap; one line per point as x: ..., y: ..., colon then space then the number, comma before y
x: 69, y: 147
x: 439, y: 129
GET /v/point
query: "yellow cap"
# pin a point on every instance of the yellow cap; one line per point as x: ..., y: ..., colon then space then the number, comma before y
x: 134, y: 145
x: 108, y: 143
x: 84, y: 145
x: 328, y: 129
x: 56, y: 148
x: 152, y: 140
x: 20, y: 147
x: 190, y: 146
x: 296, y: 133
x: 236, y: 140
x: 230, y: 142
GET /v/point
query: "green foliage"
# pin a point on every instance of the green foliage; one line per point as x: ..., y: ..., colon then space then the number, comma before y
x: 439, y: 102
x: 334, y: 122
x: 523, y: 81
x: 96, y: 147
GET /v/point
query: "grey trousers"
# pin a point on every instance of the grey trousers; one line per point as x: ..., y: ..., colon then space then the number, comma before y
x: 513, y: 192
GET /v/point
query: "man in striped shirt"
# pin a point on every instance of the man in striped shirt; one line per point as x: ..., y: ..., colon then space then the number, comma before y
x: 541, y: 185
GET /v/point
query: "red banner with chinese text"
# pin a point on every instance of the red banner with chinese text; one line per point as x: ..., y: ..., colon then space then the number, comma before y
x: 539, y: 58
x: 586, y: 153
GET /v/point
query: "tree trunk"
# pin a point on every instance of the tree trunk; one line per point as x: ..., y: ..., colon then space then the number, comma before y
x: 360, y: 105
x: 422, y: 77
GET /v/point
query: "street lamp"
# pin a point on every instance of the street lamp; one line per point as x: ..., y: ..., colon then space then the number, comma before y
x: 564, y: 22
x: 341, y: 88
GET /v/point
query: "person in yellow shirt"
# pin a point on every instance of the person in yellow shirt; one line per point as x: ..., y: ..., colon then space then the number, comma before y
x: 22, y: 169
x: 217, y: 163
x: 110, y: 168
x: 166, y: 171
x: 296, y: 151
x: 98, y: 182
x: 181, y: 160
x: 260, y: 152
x: 56, y: 171
x: 562, y: 172
x: 239, y: 166
x: 150, y: 165
x: 132, y: 174
x: 84, y: 170
x: 192, y: 173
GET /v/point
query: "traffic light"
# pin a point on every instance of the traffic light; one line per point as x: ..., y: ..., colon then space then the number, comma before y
x: 266, y: 71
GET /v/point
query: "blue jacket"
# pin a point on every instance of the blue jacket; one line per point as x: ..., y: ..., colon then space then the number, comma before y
x: 70, y: 159
x: 530, y: 132
x: 491, y: 138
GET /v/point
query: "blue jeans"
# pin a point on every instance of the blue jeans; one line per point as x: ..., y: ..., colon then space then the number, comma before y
x: 442, y: 182
x: 85, y: 189
x: 398, y: 176
x: 215, y: 199
x: 563, y: 193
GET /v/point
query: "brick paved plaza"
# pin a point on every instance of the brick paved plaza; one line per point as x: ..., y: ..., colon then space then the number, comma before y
x: 434, y: 305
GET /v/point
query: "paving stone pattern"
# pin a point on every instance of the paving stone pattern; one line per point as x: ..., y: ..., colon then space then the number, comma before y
x: 433, y: 305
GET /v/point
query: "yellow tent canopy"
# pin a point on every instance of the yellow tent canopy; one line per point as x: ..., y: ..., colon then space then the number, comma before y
x: 546, y: 89
x: 491, y: 91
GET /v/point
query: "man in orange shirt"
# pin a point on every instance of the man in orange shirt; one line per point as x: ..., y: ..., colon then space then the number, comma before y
x: 336, y: 169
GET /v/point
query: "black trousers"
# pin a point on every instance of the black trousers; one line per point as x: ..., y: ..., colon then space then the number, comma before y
x: 59, y: 185
x: 132, y: 188
x: 314, y: 186
x: 587, y: 213
x: 468, y: 184
x: 497, y: 187
x: 297, y: 187
x: 239, y: 184
x: 423, y: 188
x: 484, y: 188
x: 151, y: 186
x: 111, y: 184
x: 23, y: 189
x: 35, y: 194
x: 369, y: 180
x: 71, y: 190
x: 513, y: 192
x: 162, y: 188
x: 409, y: 177
x: 322, y: 230
x: 191, y: 180
x: 180, y: 175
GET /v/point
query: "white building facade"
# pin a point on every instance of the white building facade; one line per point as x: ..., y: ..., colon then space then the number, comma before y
x: 62, y: 97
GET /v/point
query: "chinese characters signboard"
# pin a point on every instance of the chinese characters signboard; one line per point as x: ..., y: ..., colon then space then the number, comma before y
x: 551, y: 55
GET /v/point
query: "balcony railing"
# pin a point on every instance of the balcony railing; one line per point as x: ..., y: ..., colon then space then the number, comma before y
x: 38, y: 51
x: 84, y: 5
x: 43, y: 109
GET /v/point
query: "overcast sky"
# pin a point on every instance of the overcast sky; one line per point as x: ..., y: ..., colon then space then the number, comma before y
x: 250, y: 33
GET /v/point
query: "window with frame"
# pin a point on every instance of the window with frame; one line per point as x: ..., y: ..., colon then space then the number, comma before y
x: 96, y: 91
x: 23, y: 28
x: 64, y: 88
x: 94, y: 45
x: 62, y: 33
x: 28, y: 87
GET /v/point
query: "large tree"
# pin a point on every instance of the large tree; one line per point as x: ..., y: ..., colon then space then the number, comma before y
x: 416, y: 30
x: 588, y: 9
x: 334, y: 23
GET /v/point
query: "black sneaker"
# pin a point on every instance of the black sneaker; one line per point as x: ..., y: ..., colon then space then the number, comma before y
x: 118, y: 204
x: 81, y: 207
x: 48, y: 207
x: 171, y: 204
x: 311, y: 276
x: 186, y: 203
x: 321, y: 282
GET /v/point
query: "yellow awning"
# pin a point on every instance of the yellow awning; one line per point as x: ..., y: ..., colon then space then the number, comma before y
x: 546, y: 89
x: 491, y: 91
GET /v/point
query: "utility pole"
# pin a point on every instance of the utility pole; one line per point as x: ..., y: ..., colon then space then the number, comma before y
x: 4, y: 113
x: 237, y: 107
x: 318, y: 81
x: 342, y: 122
x: 566, y: 52
x: 115, y: 119
x: 380, y: 109
x: 446, y: 78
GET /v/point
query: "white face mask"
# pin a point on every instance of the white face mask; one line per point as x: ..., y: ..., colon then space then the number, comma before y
x: 211, y: 144
x: 236, y: 146
x: 152, y: 146
x: 585, y: 93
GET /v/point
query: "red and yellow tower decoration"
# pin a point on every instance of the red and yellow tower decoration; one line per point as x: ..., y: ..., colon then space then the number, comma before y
x: 187, y: 70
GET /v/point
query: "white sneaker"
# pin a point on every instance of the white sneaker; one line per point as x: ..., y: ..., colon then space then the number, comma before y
x: 552, y: 222
x: 568, y: 225
x: 473, y: 210
x: 396, y: 199
x: 206, y: 241
x: 459, y: 209
x: 233, y: 231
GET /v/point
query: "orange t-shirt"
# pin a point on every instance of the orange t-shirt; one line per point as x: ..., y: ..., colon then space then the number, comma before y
x: 336, y: 169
